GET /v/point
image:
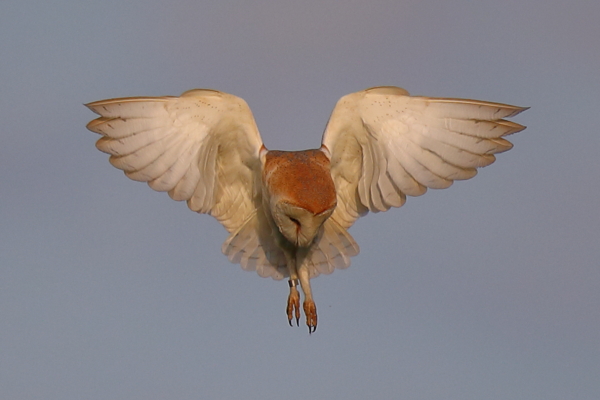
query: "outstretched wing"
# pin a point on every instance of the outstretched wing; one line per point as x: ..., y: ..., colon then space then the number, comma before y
x: 201, y: 147
x: 385, y: 144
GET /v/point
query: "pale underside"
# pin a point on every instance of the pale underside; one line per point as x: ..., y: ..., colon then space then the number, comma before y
x: 380, y: 145
x: 204, y: 147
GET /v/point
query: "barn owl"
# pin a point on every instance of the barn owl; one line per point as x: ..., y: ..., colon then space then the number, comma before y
x: 288, y: 212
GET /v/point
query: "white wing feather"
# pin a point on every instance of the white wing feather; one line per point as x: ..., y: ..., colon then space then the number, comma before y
x: 385, y: 144
x: 332, y: 250
x: 254, y: 248
x: 202, y: 147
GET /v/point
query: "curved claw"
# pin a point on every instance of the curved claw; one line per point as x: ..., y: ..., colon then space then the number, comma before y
x: 310, y: 310
x: 293, y: 306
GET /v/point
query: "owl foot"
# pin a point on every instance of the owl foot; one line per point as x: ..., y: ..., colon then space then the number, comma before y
x: 310, y: 310
x: 293, y: 304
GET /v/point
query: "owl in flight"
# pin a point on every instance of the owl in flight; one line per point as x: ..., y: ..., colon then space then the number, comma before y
x: 288, y: 212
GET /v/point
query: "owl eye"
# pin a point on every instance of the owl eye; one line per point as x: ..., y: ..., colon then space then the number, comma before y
x: 296, y: 222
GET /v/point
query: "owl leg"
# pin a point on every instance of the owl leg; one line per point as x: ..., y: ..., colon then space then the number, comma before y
x: 310, y: 308
x: 293, y: 303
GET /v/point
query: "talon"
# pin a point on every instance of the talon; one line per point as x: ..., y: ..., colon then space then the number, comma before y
x: 310, y: 310
x: 293, y: 306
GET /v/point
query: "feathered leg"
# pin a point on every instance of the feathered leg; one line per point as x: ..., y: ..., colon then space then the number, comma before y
x: 293, y: 303
x: 310, y: 308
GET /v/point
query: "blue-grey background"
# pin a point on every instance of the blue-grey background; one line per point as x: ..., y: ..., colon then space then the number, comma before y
x: 487, y: 290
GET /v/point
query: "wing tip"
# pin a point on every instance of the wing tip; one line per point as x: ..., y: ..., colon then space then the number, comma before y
x: 94, y: 125
x: 517, y: 110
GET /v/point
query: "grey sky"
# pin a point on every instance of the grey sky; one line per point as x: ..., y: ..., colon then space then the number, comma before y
x: 487, y: 290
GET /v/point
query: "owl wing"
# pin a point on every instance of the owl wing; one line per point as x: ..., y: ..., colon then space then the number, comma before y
x: 202, y: 147
x: 385, y: 144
